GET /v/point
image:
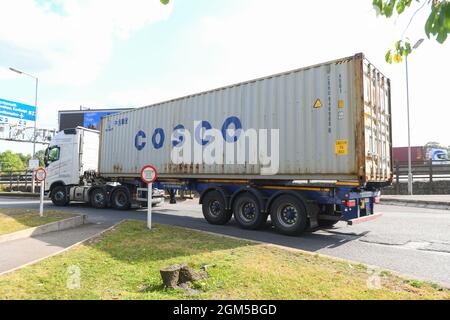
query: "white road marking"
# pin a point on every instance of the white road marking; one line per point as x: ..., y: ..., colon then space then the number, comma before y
x: 21, y: 202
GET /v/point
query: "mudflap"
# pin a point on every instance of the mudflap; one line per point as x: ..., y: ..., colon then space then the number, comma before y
x: 364, y: 219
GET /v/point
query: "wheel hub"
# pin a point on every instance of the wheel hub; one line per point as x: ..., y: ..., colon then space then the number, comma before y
x: 121, y: 199
x: 249, y: 211
x: 215, y: 208
x: 99, y: 198
x: 59, y: 195
x: 288, y: 215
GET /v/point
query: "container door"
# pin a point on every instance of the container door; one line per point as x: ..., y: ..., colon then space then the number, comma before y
x: 377, y: 119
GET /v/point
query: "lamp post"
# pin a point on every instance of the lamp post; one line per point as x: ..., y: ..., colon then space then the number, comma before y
x: 35, y: 120
x: 410, y: 175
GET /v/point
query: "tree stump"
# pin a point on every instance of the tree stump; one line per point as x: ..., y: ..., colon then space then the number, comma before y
x: 175, y: 276
x: 171, y: 275
x: 189, y: 275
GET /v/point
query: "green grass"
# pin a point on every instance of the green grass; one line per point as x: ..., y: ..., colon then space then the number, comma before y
x: 125, y: 264
x: 12, y: 220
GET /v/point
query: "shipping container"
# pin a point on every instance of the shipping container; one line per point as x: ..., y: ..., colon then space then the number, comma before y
x: 334, y: 122
x: 309, y: 147
x: 418, y: 154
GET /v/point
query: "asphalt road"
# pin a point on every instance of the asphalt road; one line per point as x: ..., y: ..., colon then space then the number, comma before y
x: 411, y: 241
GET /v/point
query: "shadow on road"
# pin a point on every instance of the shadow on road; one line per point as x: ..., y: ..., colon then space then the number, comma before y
x: 313, y: 241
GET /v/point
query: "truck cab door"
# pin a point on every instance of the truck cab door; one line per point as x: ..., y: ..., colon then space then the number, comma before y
x: 52, y: 165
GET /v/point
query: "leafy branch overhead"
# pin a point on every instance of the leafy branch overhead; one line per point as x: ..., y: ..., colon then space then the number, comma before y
x: 436, y: 26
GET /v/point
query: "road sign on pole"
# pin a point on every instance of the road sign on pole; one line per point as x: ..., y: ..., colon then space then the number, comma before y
x: 149, y: 174
x: 17, y: 113
x: 40, y: 175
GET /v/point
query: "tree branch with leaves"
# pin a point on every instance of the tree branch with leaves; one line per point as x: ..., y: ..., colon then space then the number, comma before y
x: 437, y: 25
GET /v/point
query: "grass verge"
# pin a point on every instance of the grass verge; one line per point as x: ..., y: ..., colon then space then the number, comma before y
x: 12, y: 220
x: 125, y: 263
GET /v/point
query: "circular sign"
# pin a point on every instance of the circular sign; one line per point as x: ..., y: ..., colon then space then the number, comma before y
x: 149, y: 174
x: 40, y: 174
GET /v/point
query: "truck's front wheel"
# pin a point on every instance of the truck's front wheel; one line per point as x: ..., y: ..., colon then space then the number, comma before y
x: 214, y: 209
x: 59, y: 196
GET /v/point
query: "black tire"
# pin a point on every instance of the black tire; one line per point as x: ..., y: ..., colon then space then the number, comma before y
x: 289, y: 216
x: 98, y: 199
x: 214, y: 209
x: 247, y: 212
x: 59, y: 196
x: 120, y: 199
x: 327, y: 223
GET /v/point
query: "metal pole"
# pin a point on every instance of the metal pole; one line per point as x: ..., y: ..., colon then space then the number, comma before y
x: 410, y: 176
x: 149, y: 206
x: 41, y: 204
x: 33, y: 182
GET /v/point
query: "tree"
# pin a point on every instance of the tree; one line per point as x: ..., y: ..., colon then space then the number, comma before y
x: 435, y: 145
x: 10, y: 161
x: 24, y: 158
x: 40, y: 156
x: 437, y: 24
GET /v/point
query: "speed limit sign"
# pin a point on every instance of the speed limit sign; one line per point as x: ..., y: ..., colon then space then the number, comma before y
x: 148, y: 176
x: 40, y: 174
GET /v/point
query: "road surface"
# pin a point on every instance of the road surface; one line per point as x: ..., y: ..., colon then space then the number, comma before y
x: 411, y: 241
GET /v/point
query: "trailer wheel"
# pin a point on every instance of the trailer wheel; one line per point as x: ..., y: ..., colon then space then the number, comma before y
x: 247, y: 212
x: 289, y: 216
x: 214, y: 209
x: 121, y: 199
x: 98, y: 199
x: 59, y: 196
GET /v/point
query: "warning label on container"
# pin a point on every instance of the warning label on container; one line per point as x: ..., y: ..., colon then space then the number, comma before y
x: 318, y: 104
x: 341, y: 147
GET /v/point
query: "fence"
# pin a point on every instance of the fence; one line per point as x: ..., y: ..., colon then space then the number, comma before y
x: 16, y: 180
x: 429, y: 175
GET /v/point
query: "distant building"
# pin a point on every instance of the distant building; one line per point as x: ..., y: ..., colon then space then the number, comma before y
x: 84, y: 118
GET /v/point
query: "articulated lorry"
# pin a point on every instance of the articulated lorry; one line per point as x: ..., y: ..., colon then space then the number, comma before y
x: 308, y: 147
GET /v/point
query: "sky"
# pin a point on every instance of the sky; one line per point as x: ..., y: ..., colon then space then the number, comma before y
x: 111, y: 54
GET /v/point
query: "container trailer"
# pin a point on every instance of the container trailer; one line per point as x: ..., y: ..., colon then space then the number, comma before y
x: 309, y: 147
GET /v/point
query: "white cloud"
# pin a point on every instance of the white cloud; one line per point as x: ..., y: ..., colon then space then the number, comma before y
x: 73, y: 42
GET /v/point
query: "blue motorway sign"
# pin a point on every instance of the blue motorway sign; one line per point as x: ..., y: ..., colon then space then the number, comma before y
x: 92, y: 119
x: 16, y: 110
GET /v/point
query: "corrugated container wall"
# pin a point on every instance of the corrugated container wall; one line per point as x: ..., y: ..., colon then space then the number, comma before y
x: 334, y: 122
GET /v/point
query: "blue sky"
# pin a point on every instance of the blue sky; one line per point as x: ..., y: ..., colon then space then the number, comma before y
x: 104, y: 54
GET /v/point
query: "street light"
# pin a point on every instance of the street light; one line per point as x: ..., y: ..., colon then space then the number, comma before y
x: 35, y: 120
x: 410, y: 175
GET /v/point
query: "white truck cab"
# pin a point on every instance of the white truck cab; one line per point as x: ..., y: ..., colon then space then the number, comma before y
x: 70, y: 154
x: 71, y: 161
